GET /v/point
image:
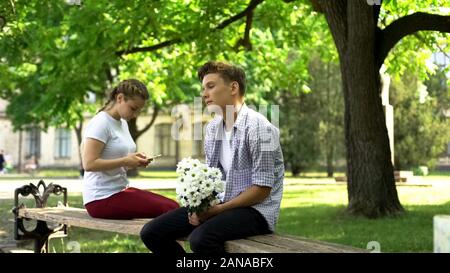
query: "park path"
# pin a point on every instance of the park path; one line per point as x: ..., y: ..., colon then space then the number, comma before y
x: 7, y: 187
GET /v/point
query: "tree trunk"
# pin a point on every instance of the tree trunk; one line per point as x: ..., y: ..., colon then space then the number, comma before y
x: 78, y: 130
x: 330, y: 144
x: 330, y: 155
x: 295, y: 170
x: 136, y: 133
x: 132, y: 126
x: 371, y: 184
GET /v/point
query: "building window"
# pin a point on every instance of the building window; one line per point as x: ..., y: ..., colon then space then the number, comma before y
x: 63, y: 143
x: 165, y: 144
x: 33, y: 143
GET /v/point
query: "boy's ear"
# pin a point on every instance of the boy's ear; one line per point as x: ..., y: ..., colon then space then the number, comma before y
x: 234, y: 88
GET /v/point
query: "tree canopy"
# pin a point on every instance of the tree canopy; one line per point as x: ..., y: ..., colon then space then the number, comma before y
x: 53, y: 54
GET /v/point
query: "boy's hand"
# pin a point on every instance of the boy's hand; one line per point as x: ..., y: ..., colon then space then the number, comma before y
x: 197, y: 219
x: 194, y: 219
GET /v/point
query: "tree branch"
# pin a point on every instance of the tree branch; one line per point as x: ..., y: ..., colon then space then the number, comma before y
x: 149, y: 48
x: 154, y: 115
x: 2, y: 22
x: 408, y: 25
x: 251, y: 6
x: 316, y: 6
x: 245, y: 41
x: 249, y: 9
x: 109, y: 76
x: 422, y: 39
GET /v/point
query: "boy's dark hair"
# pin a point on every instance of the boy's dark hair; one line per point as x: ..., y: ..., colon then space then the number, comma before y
x: 227, y: 72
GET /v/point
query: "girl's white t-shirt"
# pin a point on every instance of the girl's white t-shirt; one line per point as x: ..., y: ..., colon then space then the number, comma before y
x: 118, y: 143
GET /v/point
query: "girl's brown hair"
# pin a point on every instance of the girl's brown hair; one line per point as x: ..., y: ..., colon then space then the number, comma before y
x: 129, y: 88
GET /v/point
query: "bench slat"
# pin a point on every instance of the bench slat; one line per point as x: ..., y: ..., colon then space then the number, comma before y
x: 251, y: 246
x: 78, y: 217
x: 300, y: 244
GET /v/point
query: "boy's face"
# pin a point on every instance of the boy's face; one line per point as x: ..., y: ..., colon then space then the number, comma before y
x: 215, y: 91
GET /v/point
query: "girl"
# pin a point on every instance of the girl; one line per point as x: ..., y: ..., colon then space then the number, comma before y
x: 108, y: 151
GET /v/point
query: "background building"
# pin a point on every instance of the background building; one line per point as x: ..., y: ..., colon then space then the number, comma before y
x: 58, y: 147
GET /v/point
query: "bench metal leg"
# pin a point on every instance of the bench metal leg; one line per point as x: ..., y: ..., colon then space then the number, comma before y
x: 41, y: 233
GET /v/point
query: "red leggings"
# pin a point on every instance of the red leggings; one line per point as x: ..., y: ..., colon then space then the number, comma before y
x: 131, y: 203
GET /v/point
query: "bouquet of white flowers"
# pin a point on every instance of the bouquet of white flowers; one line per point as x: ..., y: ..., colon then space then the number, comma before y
x: 198, y: 185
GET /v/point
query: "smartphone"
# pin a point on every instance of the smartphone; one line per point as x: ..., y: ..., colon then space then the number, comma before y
x: 150, y: 159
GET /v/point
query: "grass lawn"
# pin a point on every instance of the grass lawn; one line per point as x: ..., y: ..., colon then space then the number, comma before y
x: 313, y: 211
x: 319, y: 212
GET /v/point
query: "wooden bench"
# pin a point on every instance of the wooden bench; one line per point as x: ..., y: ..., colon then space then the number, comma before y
x: 403, y: 176
x: 68, y: 216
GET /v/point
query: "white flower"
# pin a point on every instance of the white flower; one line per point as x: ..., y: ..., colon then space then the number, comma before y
x: 198, y: 185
